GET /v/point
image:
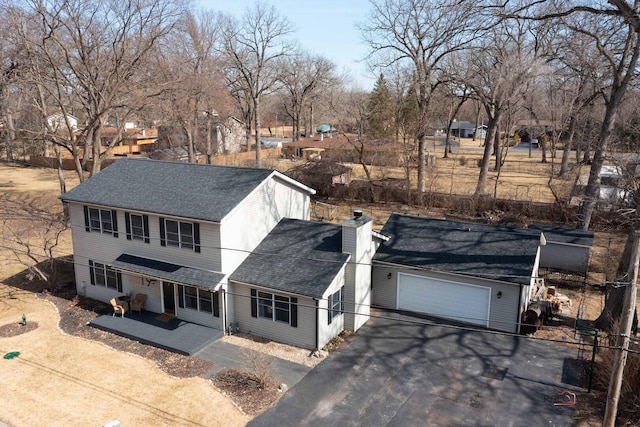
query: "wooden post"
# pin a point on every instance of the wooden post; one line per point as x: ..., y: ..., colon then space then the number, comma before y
x: 622, y: 343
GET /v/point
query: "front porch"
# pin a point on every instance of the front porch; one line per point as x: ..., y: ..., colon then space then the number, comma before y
x: 174, y: 335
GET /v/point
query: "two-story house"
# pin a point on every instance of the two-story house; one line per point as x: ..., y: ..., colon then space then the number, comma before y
x: 219, y: 246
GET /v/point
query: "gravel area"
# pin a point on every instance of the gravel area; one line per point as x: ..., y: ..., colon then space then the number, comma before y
x: 272, y: 348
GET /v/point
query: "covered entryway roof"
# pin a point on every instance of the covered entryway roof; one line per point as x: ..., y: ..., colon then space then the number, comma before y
x: 169, y: 272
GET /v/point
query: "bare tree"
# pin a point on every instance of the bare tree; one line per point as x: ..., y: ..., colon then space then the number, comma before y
x: 501, y: 66
x: 94, y: 54
x: 253, y: 47
x: 192, y: 79
x: 32, y: 236
x: 614, y: 29
x: 420, y: 33
x: 303, y: 75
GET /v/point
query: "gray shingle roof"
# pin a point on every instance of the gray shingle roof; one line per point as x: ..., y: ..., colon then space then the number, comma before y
x: 203, y: 192
x: 565, y: 235
x: 500, y: 253
x: 299, y: 257
x: 167, y: 271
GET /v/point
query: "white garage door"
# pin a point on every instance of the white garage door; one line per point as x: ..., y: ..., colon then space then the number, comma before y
x: 452, y: 300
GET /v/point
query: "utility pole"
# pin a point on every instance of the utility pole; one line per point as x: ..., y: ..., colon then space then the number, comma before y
x: 622, y: 341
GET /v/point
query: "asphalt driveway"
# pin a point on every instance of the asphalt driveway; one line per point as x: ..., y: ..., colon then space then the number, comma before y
x: 395, y: 373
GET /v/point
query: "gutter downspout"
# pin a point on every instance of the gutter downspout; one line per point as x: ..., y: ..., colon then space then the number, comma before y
x: 224, y: 310
x: 519, y: 315
x: 317, y: 325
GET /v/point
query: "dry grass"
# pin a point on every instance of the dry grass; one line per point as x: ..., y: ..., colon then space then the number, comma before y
x: 64, y: 380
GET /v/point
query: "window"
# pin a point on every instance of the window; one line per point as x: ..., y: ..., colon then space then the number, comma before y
x: 137, y: 227
x: 103, y: 275
x: 335, y: 307
x: 101, y: 221
x: 199, y: 300
x: 274, y: 307
x: 180, y: 234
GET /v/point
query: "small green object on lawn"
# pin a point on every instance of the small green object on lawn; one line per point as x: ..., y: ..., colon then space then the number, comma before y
x: 12, y: 355
x: 24, y: 320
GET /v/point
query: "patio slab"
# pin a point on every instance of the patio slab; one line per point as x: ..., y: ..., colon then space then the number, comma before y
x: 175, y: 335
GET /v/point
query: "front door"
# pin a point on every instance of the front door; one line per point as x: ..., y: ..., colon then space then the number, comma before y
x: 168, y: 298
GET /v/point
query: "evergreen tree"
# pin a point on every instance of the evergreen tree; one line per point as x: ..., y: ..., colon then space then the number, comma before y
x: 380, y: 117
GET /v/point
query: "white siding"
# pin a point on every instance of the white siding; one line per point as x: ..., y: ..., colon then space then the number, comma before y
x: 565, y: 257
x: 137, y: 285
x: 356, y: 240
x: 327, y: 331
x: 104, y: 248
x: 302, y: 336
x: 245, y: 227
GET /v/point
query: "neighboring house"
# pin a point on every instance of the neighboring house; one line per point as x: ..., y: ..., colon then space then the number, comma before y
x: 462, y: 129
x: 177, y: 231
x: 228, y: 136
x: 566, y: 249
x: 128, y: 136
x: 473, y: 273
x: 57, y: 122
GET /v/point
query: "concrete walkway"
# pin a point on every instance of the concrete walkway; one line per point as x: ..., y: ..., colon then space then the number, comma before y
x: 227, y: 355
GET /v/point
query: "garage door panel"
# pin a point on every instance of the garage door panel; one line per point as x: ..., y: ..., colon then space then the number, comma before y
x: 452, y: 300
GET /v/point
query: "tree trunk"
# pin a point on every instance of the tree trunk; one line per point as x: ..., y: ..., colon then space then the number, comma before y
x: 191, y: 155
x: 10, y: 136
x: 564, y: 166
x: 63, y: 185
x: 421, y: 166
x: 592, y: 190
x: 256, y: 120
x: 492, y: 127
x: 497, y: 150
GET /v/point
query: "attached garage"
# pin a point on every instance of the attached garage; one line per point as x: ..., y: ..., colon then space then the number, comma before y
x: 473, y: 273
x: 442, y: 298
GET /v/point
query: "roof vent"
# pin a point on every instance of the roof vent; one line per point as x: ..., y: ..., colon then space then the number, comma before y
x: 357, y: 213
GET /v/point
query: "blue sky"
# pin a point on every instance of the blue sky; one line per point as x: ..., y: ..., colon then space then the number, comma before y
x: 324, y: 27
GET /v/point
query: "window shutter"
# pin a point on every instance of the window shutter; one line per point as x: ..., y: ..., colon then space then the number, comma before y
x: 254, y: 303
x: 163, y: 238
x: 294, y: 312
x: 86, y: 219
x: 329, y: 309
x: 342, y: 300
x: 196, y: 237
x: 145, y: 224
x: 127, y: 224
x: 216, y: 304
x: 119, y: 280
x: 92, y: 272
x: 114, y: 218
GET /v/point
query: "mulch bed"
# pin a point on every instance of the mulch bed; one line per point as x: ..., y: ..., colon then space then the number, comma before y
x: 76, y: 312
x: 14, y: 329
